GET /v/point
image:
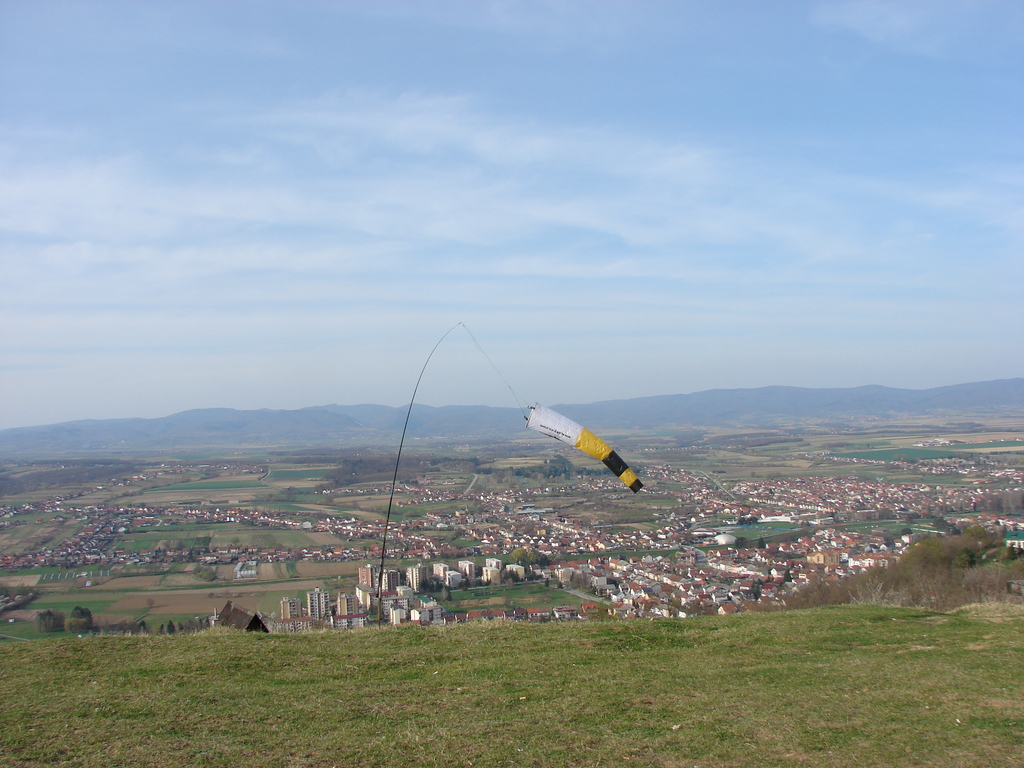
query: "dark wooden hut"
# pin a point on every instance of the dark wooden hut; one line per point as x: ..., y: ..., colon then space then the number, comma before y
x: 239, y: 618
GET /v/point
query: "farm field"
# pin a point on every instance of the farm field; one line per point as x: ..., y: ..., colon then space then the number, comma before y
x: 149, y: 598
x: 170, y: 537
x: 311, y: 473
x: 308, y: 569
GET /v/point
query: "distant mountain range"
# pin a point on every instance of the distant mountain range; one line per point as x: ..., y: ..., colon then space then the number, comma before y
x: 332, y: 426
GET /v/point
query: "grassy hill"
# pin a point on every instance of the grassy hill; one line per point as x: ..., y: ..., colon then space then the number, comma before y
x: 843, y: 686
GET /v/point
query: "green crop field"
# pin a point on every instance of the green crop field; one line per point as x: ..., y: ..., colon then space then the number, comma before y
x: 840, y: 688
x: 97, y: 602
x: 894, y: 454
x: 19, y: 631
x: 297, y: 474
x: 210, y: 485
x: 1007, y: 444
x: 520, y: 596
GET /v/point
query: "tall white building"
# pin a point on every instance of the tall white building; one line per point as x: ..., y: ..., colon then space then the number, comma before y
x: 318, y: 604
x: 431, y: 613
x: 415, y: 575
x: 346, y: 605
x: 290, y: 608
x: 368, y: 574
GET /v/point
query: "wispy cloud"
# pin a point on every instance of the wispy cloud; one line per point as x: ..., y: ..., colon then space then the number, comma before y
x: 933, y: 28
x: 435, y: 185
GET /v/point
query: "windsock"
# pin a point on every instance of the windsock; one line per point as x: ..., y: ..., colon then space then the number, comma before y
x: 564, y: 429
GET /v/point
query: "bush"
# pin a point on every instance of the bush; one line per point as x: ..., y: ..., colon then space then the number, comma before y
x: 205, y: 574
x: 936, y: 573
x: 77, y: 625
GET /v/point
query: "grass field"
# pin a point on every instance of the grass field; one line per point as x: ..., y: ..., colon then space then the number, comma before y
x: 210, y: 485
x: 519, y: 596
x: 841, y: 688
x: 277, y: 475
x: 221, y: 535
x: 893, y: 454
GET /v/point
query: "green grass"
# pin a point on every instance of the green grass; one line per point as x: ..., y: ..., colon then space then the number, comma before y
x: 298, y: 474
x: 66, y: 602
x: 25, y: 630
x: 519, y: 595
x: 894, y: 454
x: 994, y: 444
x: 211, y: 485
x: 849, y: 686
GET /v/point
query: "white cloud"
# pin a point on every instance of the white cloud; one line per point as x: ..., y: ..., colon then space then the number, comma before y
x: 929, y: 27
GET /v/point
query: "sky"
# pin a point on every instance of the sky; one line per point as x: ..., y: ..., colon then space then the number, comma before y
x: 287, y: 204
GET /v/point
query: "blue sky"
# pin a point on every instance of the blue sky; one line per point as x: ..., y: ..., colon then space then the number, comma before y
x: 286, y: 204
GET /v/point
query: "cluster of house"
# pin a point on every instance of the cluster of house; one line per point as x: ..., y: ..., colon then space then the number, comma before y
x: 851, y: 498
x: 692, y: 505
x: 686, y: 582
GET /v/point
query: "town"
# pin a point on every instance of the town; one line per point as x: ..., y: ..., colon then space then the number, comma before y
x: 705, y: 547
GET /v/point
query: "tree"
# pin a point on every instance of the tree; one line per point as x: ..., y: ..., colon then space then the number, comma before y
x: 78, y: 612
x: 965, y: 558
x: 49, y: 621
x: 528, y: 557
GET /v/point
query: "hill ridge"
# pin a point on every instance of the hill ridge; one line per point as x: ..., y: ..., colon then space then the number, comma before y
x: 367, y: 423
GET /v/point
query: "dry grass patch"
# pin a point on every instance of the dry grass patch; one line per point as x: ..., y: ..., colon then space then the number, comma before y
x: 309, y: 570
x: 132, y: 582
x: 993, y: 611
x: 20, y: 581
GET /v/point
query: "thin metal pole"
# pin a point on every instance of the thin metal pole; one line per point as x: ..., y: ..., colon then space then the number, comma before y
x: 394, y: 479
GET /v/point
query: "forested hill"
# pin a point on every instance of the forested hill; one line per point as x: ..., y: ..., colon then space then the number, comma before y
x: 364, y: 424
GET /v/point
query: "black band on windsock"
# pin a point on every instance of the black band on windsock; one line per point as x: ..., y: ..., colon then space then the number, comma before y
x: 636, y: 486
x: 615, y: 463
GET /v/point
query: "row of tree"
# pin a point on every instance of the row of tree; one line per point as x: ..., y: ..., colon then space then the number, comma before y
x: 81, y: 622
x: 54, y: 621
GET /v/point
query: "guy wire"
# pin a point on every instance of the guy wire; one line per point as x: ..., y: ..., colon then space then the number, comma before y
x: 519, y: 402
